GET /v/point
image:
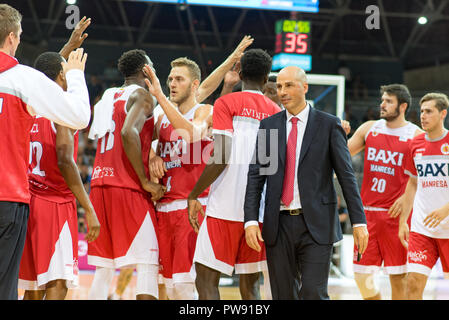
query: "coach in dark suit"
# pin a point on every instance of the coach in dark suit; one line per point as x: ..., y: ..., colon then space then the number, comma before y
x: 297, y: 152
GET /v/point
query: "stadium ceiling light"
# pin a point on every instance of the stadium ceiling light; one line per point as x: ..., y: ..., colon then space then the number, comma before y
x: 71, y: 1
x: 422, y: 20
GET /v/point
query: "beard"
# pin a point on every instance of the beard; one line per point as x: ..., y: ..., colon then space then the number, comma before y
x: 391, y: 116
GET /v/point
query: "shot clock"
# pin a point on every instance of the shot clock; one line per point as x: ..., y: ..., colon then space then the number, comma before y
x: 293, y: 44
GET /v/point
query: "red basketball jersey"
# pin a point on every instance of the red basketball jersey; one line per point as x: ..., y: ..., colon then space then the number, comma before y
x: 184, y: 162
x: 44, y: 175
x: 111, y: 166
x: 385, y: 155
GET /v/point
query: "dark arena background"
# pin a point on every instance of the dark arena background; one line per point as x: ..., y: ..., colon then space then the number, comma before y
x: 349, y: 48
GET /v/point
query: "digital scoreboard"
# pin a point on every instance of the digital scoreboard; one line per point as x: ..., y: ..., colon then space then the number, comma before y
x: 293, y: 44
x: 287, y: 5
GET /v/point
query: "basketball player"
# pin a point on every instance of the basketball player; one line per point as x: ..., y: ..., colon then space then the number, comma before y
x: 183, y: 150
x: 386, y: 143
x: 123, y: 123
x: 428, y: 191
x: 221, y: 244
x: 25, y: 93
x: 49, y: 264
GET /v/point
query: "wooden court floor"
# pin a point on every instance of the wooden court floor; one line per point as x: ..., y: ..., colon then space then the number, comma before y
x: 340, y: 288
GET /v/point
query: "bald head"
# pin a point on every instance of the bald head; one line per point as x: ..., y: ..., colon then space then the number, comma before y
x: 293, y: 73
x: 292, y: 87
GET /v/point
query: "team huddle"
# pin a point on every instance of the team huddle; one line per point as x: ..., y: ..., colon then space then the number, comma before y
x: 175, y: 209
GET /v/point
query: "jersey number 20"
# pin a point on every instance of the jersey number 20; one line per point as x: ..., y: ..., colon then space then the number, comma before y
x: 378, y: 185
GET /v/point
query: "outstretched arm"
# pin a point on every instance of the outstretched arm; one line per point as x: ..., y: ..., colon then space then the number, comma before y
x: 190, y: 131
x: 211, y: 83
x: 69, y: 170
x: 77, y: 38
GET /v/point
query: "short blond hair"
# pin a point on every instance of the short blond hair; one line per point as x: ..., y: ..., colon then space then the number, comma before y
x: 441, y: 100
x: 191, y: 65
x: 10, y: 20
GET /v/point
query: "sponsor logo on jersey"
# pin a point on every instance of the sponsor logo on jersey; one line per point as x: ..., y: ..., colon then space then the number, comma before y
x: 385, y: 156
x: 433, y: 170
x: 445, y: 148
x: 383, y: 169
x: 434, y: 184
x: 35, y: 128
x: 417, y: 256
x: 374, y: 133
x: 172, y: 148
x: 173, y: 164
x: 119, y: 93
x: 251, y: 113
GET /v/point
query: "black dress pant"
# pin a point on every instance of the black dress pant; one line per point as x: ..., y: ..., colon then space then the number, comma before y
x: 297, y: 265
x: 13, y: 226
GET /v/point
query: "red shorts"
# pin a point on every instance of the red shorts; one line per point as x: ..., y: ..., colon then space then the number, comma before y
x: 177, y: 241
x: 384, y: 246
x: 51, y: 245
x: 424, y: 251
x: 127, y: 233
x: 221, y: 245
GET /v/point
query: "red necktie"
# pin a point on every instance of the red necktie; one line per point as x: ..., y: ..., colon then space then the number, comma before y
x: 289, y: 174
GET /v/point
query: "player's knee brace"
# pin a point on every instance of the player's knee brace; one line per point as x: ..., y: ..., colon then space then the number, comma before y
x: 147, y: 280
x: 184, y: 291
x: 366, y: 284
x: 100, y: 285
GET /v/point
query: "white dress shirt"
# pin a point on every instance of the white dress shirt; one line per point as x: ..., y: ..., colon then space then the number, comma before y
x: 301, y: 125
x: 303, y: 117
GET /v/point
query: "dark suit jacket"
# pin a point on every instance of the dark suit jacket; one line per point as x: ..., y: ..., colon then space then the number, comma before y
x: 324, y: 150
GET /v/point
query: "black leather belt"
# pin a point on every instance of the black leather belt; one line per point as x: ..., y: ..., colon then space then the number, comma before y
x: 292, y: 212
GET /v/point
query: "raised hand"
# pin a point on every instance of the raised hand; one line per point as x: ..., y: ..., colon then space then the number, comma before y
x: 78, y: 36
x: 152, y: 81
x: 77, y: 60
x: 238, y: 52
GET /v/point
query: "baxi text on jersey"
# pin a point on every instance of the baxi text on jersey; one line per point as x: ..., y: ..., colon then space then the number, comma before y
x: 172, y: 148
x: 384, y: 156
x: 433, y: 169
x: 102, y: 172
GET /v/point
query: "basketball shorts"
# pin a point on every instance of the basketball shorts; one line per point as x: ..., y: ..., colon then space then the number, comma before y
x: 177, y: 241
x: 424, y: 251
x: 221, y: 245
x: 127, y: 233
x: 384, y: 246
x: 51, y: 245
